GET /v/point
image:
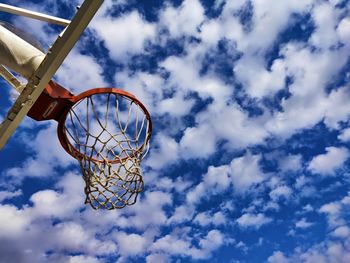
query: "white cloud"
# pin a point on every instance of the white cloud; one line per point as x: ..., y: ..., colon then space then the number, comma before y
x: 185, y: 75
x: 52, y: 224
x: 341, y: 232
x: 47, y: 203
x: 148, y: 211
x: 281, y: 191
x: 331, y: 208
x: 324, y: 17
x: 13, y: 222
x: 346, y: 200
x: 303, y: 223
x: 290, y: 163
x: 333, y: 212
x: 253, y: 220
x: 176, y: 106
x: 83, y: 259
x: 242, y: 246
x: 335, y: 2
x: 267, y: 22
x: 226, y: 26
x: 301, y: 181
x: 345, y: 135
x: 196, y: 194
x: 145, y: 86
x: 132, y: 33
x: 271, y: 205
x: 45, y: 157
x: 70, y: 235
x: 178, y: 243
x: 55, y: 224
x: 5, y: 195
x: 245, y: 172
x: 203, y: 219
x: 206, y: 218
x: 87, y: 73
x: 183, y: 21
x: 308, y: 103
x: 326, y: 251
x: 327, y: 163
x: 215, y: 181
x: 171, y: 245
x: 308, y: 208
x: 219, y: 218
x: 166, y: 184
x: 131, y: 244
x: 198, y: 142
x: 278, y: 257
x: 183, y: 213
x: 212, y: 241
x: 343, y: 30
x: 165, y: 152
x: 242, y: 131
x: 336, y: 108
x: 157, y: 258
x: 211, y: 32
x: 265, y: 81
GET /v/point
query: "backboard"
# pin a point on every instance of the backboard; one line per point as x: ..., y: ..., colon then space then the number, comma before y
x: 50, y: 64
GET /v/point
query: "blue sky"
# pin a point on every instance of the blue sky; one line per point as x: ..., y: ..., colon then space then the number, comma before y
x: 249, y: 159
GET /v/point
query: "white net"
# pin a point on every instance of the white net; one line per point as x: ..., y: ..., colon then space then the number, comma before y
x: 109, y: 134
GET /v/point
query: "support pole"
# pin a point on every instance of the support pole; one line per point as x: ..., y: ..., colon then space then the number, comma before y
x: 35, y: 15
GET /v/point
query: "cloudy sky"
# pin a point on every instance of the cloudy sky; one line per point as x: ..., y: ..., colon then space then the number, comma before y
x: 249, y: 159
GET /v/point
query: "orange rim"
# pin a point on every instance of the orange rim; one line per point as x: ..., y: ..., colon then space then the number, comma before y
x: 61, y: 131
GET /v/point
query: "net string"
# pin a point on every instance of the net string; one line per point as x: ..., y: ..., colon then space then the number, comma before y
x: 111, y: 166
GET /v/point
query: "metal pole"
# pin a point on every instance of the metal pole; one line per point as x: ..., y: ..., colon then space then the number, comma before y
x: 34, y: 15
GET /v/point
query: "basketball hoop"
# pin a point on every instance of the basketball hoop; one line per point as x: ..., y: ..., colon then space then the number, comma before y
x: 108, y: 131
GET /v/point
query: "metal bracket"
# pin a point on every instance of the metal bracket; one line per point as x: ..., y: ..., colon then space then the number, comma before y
x: 11, y: 79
